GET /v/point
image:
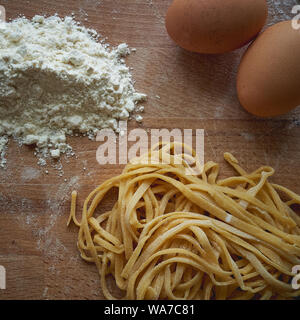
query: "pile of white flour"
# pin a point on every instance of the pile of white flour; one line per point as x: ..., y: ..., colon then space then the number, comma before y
x: 57, y: 79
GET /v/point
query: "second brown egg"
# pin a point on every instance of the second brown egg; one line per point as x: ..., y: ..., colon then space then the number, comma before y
x: 269, y: 74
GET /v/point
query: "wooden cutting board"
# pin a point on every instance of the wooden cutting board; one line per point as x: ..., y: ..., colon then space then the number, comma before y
x: 196, y: 91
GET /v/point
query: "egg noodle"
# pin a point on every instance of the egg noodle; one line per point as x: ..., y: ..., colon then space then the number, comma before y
x: 173, y: 235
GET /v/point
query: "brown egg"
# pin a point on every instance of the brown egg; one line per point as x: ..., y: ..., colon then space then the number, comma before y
x: 215, y: 26
x: 269, y: 74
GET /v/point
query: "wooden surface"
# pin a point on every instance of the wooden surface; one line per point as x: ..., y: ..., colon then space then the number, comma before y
x: 196, y: 91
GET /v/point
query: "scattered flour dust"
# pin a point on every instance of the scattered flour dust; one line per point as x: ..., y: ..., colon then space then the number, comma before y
x: 58, y: 79
x: 29, y: 174
x: 3, y: 147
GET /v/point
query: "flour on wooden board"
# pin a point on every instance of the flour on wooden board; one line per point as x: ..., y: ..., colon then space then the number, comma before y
x: 280, y: 10
x: 57, y: 79
x: 30, y: 173
x: 47, y: 241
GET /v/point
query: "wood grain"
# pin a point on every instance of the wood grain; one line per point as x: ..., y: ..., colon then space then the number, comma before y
x: 196, y: 91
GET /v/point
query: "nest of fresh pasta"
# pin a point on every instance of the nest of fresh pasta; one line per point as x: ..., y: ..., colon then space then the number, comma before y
x: 177, y: 231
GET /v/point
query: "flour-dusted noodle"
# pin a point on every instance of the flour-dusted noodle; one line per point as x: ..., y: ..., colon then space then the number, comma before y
x: 172, y: 235
x: 72, y: 216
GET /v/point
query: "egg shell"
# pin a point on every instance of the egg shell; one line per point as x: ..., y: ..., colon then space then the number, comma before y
x: 268, y: 80
x: 215, y: 26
